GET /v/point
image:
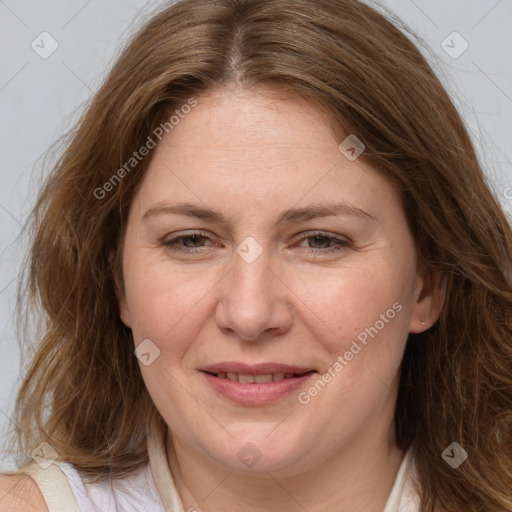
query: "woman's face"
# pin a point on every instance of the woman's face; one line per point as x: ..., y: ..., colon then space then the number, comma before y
x: 256, y: 250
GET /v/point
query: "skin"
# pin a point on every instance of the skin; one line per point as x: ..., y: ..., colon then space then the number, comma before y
x: 252, y: 155
x: 20, y: 492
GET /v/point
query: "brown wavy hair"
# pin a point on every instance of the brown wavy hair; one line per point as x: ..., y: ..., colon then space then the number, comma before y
x: 83, y: 391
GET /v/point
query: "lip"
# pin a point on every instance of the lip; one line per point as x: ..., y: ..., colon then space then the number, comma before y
x: 256, y: 394
x: 254, y: 369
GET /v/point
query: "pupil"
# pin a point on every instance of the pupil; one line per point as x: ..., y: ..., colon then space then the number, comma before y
x: 194, y: 238
x: 319, y: 238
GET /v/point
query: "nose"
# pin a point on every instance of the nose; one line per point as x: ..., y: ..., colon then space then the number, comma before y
x: 254, y: 300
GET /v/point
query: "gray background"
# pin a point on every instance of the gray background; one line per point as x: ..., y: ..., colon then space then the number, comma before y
x: 41, y: 98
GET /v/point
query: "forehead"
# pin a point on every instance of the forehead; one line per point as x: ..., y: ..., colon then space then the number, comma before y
x: 260, y: 118
x: 257, y: 147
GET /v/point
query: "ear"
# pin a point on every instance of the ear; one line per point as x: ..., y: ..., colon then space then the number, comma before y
x: 124, y: 312
x: 431, y: 297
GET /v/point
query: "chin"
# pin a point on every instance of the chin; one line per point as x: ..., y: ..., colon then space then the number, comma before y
x: 258, y: 454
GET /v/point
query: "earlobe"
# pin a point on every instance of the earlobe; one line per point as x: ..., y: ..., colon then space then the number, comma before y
x: 124, y: 313
x: 123, y: 310
x: 430, y: 301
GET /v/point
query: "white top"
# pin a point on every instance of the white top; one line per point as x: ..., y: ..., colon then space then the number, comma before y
x: 151, y: 488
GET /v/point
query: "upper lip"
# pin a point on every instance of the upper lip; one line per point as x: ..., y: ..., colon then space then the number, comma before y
x: 254, y: 369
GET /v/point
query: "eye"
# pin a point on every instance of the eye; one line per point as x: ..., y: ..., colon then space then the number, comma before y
x: 192, y: 242
x: 331, y: 244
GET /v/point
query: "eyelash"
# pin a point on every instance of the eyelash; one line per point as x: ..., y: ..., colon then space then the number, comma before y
x: 342, y: 244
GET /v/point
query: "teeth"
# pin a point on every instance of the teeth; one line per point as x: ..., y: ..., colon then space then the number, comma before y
x: 245, y: 378
x: 262, y: 379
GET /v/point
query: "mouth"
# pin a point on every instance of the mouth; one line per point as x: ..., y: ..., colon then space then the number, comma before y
x: 253, y: 385
x: 262, y: 378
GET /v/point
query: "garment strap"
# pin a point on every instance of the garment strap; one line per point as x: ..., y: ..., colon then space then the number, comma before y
x: 54, y: 487
x: 395, y: 497
x: 156, y: 441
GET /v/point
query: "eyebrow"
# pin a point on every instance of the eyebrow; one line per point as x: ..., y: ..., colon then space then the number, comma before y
x: 290, y: 216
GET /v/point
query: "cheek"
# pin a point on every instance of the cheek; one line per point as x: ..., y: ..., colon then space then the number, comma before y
x: 344, y: 302
x: 165, y: 302
x: 361, y: 318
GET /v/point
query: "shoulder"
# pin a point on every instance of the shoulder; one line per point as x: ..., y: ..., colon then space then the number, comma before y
x: 20, y: 493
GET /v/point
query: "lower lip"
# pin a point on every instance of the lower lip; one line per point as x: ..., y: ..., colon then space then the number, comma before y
x: 256, y: 394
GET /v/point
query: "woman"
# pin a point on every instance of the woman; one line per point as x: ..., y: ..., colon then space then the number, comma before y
x: 274, y: 279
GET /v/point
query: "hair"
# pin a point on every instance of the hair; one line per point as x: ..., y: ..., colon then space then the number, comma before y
x: 83, y: 391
